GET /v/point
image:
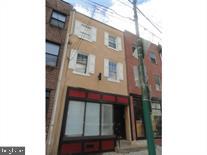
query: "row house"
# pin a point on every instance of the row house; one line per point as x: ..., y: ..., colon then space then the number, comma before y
x: 94, y: 106
x: 57, y: 17
x: 152, y: 66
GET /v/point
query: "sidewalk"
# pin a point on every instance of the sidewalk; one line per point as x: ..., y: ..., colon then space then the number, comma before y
x: 135, y: 148
x: 142, y: 152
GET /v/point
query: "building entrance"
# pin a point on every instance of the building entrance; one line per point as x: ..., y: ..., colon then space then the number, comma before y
x: 119, y: 122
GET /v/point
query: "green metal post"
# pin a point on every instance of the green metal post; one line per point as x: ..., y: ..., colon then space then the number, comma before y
x: 145, y: 90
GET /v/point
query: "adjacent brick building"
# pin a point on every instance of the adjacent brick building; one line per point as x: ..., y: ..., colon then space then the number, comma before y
x: 57, y: 17
x: 152, y: 62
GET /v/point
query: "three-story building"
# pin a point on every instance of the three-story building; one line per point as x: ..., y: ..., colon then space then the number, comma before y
x: 152, y: 66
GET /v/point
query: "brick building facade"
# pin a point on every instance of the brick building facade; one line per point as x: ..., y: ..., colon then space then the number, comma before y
x: 57, y: 17
x: 153, y: 70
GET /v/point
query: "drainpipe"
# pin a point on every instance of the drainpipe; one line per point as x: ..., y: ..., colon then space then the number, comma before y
x: 50, y: 140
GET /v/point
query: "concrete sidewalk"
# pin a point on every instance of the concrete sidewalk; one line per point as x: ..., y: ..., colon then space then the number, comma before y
x: 142, y: 152
x: 135, y: 148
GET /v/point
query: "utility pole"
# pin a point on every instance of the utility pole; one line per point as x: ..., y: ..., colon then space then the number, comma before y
x: 144, y: 88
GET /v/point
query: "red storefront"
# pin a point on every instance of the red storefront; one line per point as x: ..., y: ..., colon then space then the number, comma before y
x: 90, y: 121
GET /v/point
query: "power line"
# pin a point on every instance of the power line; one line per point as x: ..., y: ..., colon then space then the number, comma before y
x: 141, y: 12
x: 110, y: 13
x: 107, y: 8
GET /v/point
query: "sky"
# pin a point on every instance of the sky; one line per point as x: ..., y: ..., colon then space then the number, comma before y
x: 124, y: 21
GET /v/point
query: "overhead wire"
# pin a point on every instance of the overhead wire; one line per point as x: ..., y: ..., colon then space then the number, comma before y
x: 111, y: 13
x: 141, y: 12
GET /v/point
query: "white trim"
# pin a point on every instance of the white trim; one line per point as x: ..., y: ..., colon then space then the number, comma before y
x: 78, y: 73
x: 112, y: 80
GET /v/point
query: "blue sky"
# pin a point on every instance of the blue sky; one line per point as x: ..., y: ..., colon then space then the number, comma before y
x: 123, y: 21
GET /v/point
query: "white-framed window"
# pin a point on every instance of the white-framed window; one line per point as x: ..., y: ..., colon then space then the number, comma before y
x: 52, y: 51
x: 85, y: 31
x: 153, y: 58
x: 82, y: 63
x: 112, y: 41
x: 58, y: 19
x: 87, y: 118
x: 113, y: 70
x: 157, y: 82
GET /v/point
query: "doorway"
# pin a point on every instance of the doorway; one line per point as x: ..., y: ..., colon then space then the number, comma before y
x: 119, y: 121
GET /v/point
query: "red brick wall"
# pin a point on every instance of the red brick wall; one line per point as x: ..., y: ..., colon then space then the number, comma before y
x: 56, y: 35
x: 152, y: 69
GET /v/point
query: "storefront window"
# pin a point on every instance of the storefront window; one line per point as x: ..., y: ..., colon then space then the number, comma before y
x: 107, y: 122
x: 83, y: 119
x: 92, y: 119
x: 75, y: 118
x: 156, y: 119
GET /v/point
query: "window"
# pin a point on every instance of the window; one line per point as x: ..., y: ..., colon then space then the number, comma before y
x: 107, y: 122
x: 134, y: 52
x: 83, y: 119
x: 113, y: 71
x: 82, y: 63
x: 92, y: 119
x: 113, y: 42
x: 157, y: 83
x: 58, y: 19
x: 85, y: 31
x: 136, y: 76
x: 47, y: 99
x: 156, y: 118
x: 75, y: 118
x: 152, y: 57
x: 52, y: 51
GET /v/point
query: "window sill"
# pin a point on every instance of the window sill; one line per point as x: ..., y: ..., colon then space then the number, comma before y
x: 112, y: 80
x: 83, y: 74
x: 115, y: 49
x: 89, y: 40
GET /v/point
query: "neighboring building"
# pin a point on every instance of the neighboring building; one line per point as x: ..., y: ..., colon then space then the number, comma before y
x: 57, y: 17
x: 95, y: 102
x: 152, y: 62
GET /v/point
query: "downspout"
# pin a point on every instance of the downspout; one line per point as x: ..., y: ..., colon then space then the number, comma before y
x: 50, y: 139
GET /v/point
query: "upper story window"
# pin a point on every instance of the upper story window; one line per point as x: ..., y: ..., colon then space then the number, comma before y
x: 153, y: 58
x: 157, y: 83
x: 113, y: 71
x: 82, y: 63
x: 134, y: 52
x: 112, y: 41
x: 58, y: 19
x: 136, y: 76
x: 85, y: 31
x: 52, y: 51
